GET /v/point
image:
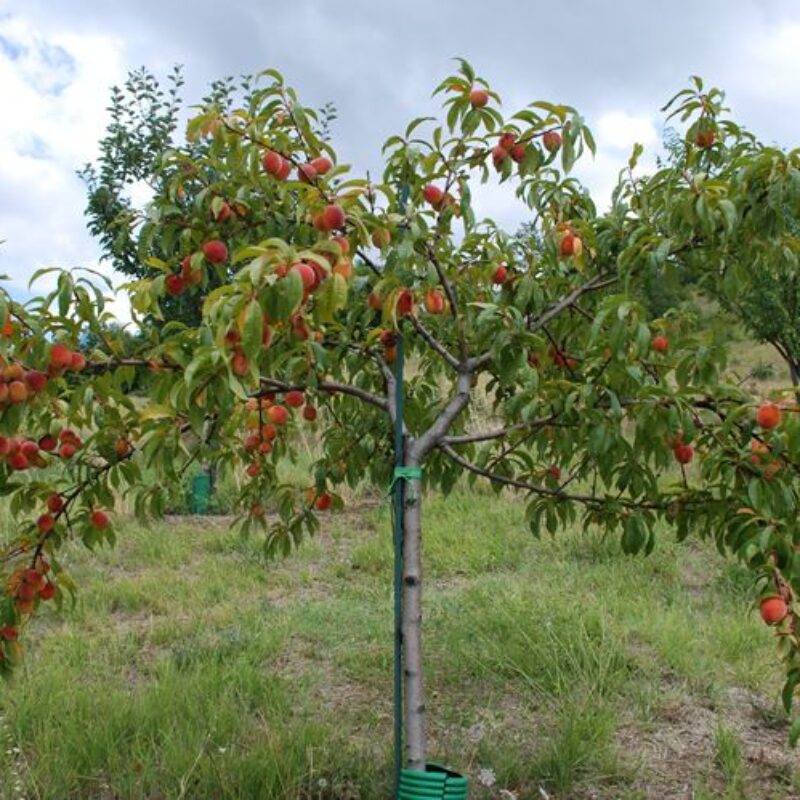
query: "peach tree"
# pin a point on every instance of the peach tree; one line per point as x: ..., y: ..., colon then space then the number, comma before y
x: 531, y: 363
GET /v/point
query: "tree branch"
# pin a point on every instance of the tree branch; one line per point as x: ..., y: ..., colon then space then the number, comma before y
x: 435, y: 344
x: 593, y: 285
x: 327, y: 386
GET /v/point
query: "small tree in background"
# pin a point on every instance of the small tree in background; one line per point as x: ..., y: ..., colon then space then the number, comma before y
x: 305, y: 283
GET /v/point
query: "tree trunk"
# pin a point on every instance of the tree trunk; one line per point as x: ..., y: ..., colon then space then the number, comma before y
x: 414, y: 695
x: 794, y: 374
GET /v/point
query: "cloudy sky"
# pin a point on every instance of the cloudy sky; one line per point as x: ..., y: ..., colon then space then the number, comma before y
x: 377, y: 61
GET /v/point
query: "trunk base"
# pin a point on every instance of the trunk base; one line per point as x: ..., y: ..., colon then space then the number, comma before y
x: 435, y: 783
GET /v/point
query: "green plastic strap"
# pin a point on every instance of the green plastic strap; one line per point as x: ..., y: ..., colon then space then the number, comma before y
x: 404, y: 474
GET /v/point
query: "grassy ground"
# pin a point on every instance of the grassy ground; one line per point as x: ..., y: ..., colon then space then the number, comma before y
x: 560, y: 668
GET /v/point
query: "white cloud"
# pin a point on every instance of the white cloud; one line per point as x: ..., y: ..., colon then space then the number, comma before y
x: 54, y: 90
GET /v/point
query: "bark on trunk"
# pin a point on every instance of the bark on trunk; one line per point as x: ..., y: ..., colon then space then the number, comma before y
x: 414, y: 696
x: 794, y: 374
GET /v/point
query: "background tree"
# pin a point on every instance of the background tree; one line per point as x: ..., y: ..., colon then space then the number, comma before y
x: 599, y: 416
x: 761, y: 268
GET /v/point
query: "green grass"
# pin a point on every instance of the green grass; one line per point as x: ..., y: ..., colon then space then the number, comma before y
x: 190, y: 668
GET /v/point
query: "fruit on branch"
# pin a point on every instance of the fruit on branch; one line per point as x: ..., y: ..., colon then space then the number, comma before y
x: 273, y: 163
x: 381, y: 238
x: 215, y: 251
x: 55, y: 503
x: 323, y: 502
x: 704, y: 139
x: 768, y: 416
x: 240, y: 366
x: 334, y: 216
x: 294, y: 398
x: 46, y: 523
x: 48, y: 591
x: 191, y: 277
x: 78, y: 362
x: 99, y: 519
x: 306, y: 173
x: 433, y: 195
x: 321, y: 165
x: 60, y: 356
x: 36, y: 381
x: 434, y: 301
x: 17, y: 392
x: 277, y: 414
x: 223, y: 214
x: 48, y: 443
x: 684, y: 453
x: 307, y: 274
x: 9, y: 633
x: 174, y: 285
x: 551, y: 141
x: 122, y: 448
x: 660, y: 344
x: 405, y: 302
x: 500, y: 274
x: 253, y: 469
x: 507, y: 141
x: 571, y: 245
x: 269, y: 431
x: 518, y: 152
x: 343, y: 242
x: 499, y: 155
x: 374, y: 301
x: 478, y: 98
x: 773, y: 609
x: 309, y: 413
x: 344, y: 267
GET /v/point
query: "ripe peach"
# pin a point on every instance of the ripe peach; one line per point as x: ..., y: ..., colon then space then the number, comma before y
x: 224, y: 213
x: 47, y: 443
x: 433, y: 194
x: 499, y: 155
x: 29, y: 449
x: 309, y: 413
x: 55, y: 503
x: 13, y: 372
x: 344, y: 244
x: 322, y: 165
x: 253, y: 470
x: 478, y: 98
x: 18, y: 461
x: 265, y: 447
x: 306, y: 173
x: 500, y: 274
x: 344, y: 267
x: 306, y: 273
x: 60, y: 356
x: 269, y: 431
x: 67, y: 450
x: 381, y: 238
x: 334, y: 216
x: 374, y: 302
x: 684, y: 453
x: 272, y: 162
x: 294, y: 398
x: 9, y: 633
x: 660, y: 344
x: 507, y: 141
x: 323, y: 502
x: 277, y: 414
x: 240, y: 366
x: 434, y: 301
x: 175, y: 285
x: 405, y: 302
x: 17, y: 392
x: 704, y: 139
x: 45, y: 523
x: 99, y: 519
x: 571, y: 245
x: 77, y: 362
x: 286, y: 168
x: 773, y: 609
x: 48, y: 591
x: 35, y: 380
x: 768, y: 416
x: 551, y: 141
x: 518, y: 152
x: 215, y: 251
